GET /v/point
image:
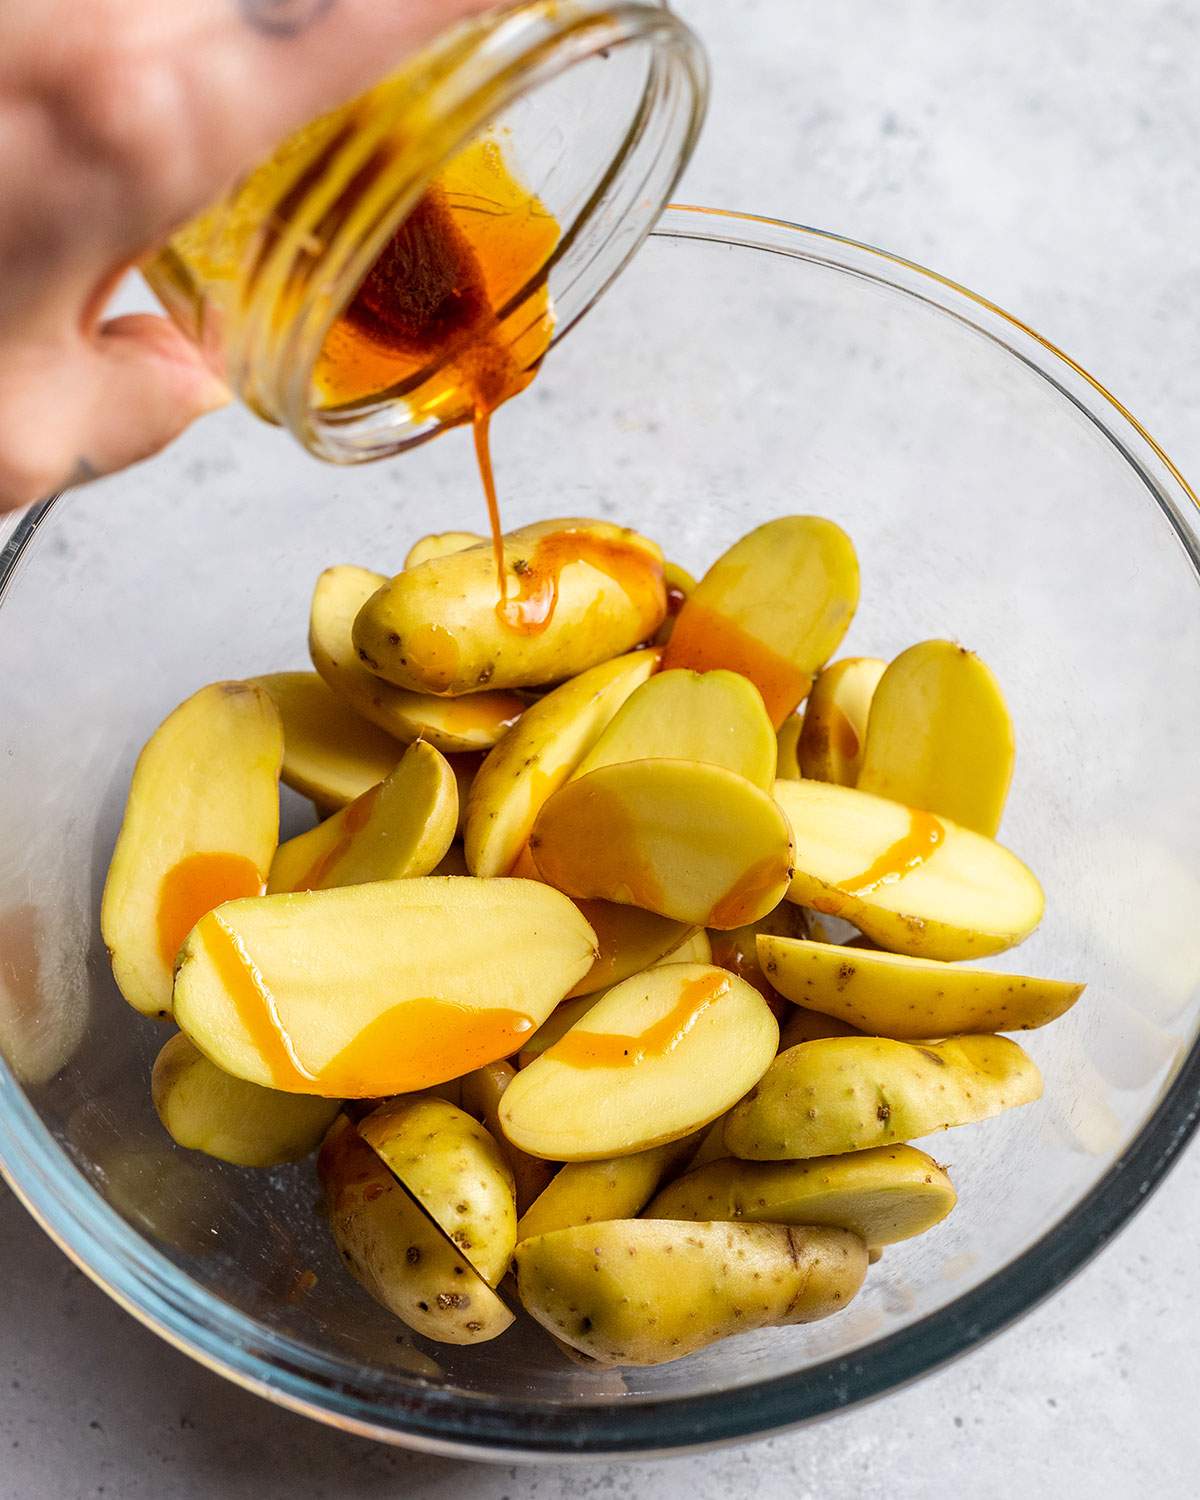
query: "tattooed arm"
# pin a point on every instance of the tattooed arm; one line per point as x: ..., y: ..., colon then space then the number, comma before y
x: 119, y: 119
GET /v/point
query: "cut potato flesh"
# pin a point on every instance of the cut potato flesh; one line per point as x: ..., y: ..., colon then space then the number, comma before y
x: 400, y: 828
x: 628, y: 940
x: 787, y: 747
x: 474, y: 722
x: 576, y: 592
x: 835, y: 720
x: 455, y: 1171
x: 644, y: 1291
x: 914, y: 883
x: 587, y: 1192
x: 482, y: 1091
x: 378, y: 989
x: 848, y: 1093
x: 717, y: 718
x: 940, y: 737
x: 774, y: 608
x: 656, y: 1058
x: 330, y: 753
x: 536, y: 757
x: 397, y: 1252
x: 204, y: 1109
x: 200, y: 827
x: 888, y: 994
x: 441, y: 544
x: 689, y: 841
x: 886, y: 1194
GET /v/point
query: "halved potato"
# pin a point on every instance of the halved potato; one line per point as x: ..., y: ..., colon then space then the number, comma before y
x: 848, y: 1093
x: 441, y: 544
x: 400, y: 828
x: 645, y: 1291
x: 379, y: 989
x: 694, y: 842
x: 656, y: 1058
x: 888, y: 994
x: 576, y: 592
x: 912, y: 882
x: 397, y: 1252
x: 330, y: 753
x: 628, y: 940
x: 886, y: 1194
x: 774, y: 608
x: 475, y: 722
x: 455, y: 1171
x: 200, y: 827
x: 717, y: 718
x: 940, y: 736
x: 206, y: 1110
x: 542, y: 750
x: 482, y: 1091
x: 586, y: 1192
x: 835, y: 720
x: 787, y: 741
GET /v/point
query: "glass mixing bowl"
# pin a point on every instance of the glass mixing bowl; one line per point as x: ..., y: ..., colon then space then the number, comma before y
x: 740, y: 369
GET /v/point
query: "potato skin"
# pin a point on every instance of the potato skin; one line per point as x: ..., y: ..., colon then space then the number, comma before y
x: 396, y: 1252
x: 848, y: 1093
x: 435, y: 628
x: 643, y: 1291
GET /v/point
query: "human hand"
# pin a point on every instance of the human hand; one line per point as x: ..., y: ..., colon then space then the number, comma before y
x: 119, y: 120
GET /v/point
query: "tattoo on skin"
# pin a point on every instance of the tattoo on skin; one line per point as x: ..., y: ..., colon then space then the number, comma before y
x: 283, y: 17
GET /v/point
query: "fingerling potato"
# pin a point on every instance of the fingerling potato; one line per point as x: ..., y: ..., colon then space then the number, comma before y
x: 912, y: 882
x: 576, y: 593
x: 835, y: 720
x: 482, y: 1091
x: 645, y: 1291
x: 848, y: 1093
x: 397, y: 1252
x: 656, y: 1058
x: 628, y: 940
x: 787, y: 747
x: 441, y: 544
x: 586, y: 1192
x: 204, y: 1109
x: 200, y: 827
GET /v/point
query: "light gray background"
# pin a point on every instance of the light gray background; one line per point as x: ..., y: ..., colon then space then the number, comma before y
x: 1043, y: 152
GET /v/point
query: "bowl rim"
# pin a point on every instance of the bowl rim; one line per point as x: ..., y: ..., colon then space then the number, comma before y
x: 143, y: 1281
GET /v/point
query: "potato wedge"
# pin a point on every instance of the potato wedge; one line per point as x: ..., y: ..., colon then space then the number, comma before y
x: 656, y: 1058
x: 396, y: 1252
x: 883, y: 1195
x: 940, y: 737
x: 645, y: 1291
x: 206, y: 1110
x: 835, y: 720
x: 542, y: 750
x: 449, y: 724
x: 330, y: 753
x: 913, y: 883
x: 696, y: 949
x: 737, y: 949
x: 888, y: 994
x: 712, y: 1144
x: 587, y: 1192
x: 848, y: 1093
x: 774, y: 608
x: 200, y: 827
x: 694, y: 842
x: 441, y: 544
x: 482, y: 1091
x: 455, y: 1171
x: 576, y: 593
x: 799, y: 1024
x: 401, y: 828
x: 787, y: 747
x: 628, y: 940
x: 716, y: 718
x: 358, y: 993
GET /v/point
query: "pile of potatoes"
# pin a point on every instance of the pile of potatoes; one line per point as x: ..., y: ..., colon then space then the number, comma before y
x: 547, y: 983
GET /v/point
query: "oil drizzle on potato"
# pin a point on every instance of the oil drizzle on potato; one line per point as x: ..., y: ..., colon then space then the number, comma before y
x: 193, y: 887
x: 629, y: 564
x: 354, y: 820
x: 742, y: 903
x: 924, y: 835
x: 593, y: 1049
x: 705, y: 640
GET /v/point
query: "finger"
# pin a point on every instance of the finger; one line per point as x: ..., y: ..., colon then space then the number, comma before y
x: 102, y: 403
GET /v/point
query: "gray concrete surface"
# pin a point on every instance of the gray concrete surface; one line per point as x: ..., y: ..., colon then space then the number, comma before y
x: 1043, y: 152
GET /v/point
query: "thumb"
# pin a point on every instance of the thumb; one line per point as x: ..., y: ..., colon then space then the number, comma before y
x: 72, y: 412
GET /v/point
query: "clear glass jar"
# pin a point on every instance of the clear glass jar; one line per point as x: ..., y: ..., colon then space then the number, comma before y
x: 556, y: 133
